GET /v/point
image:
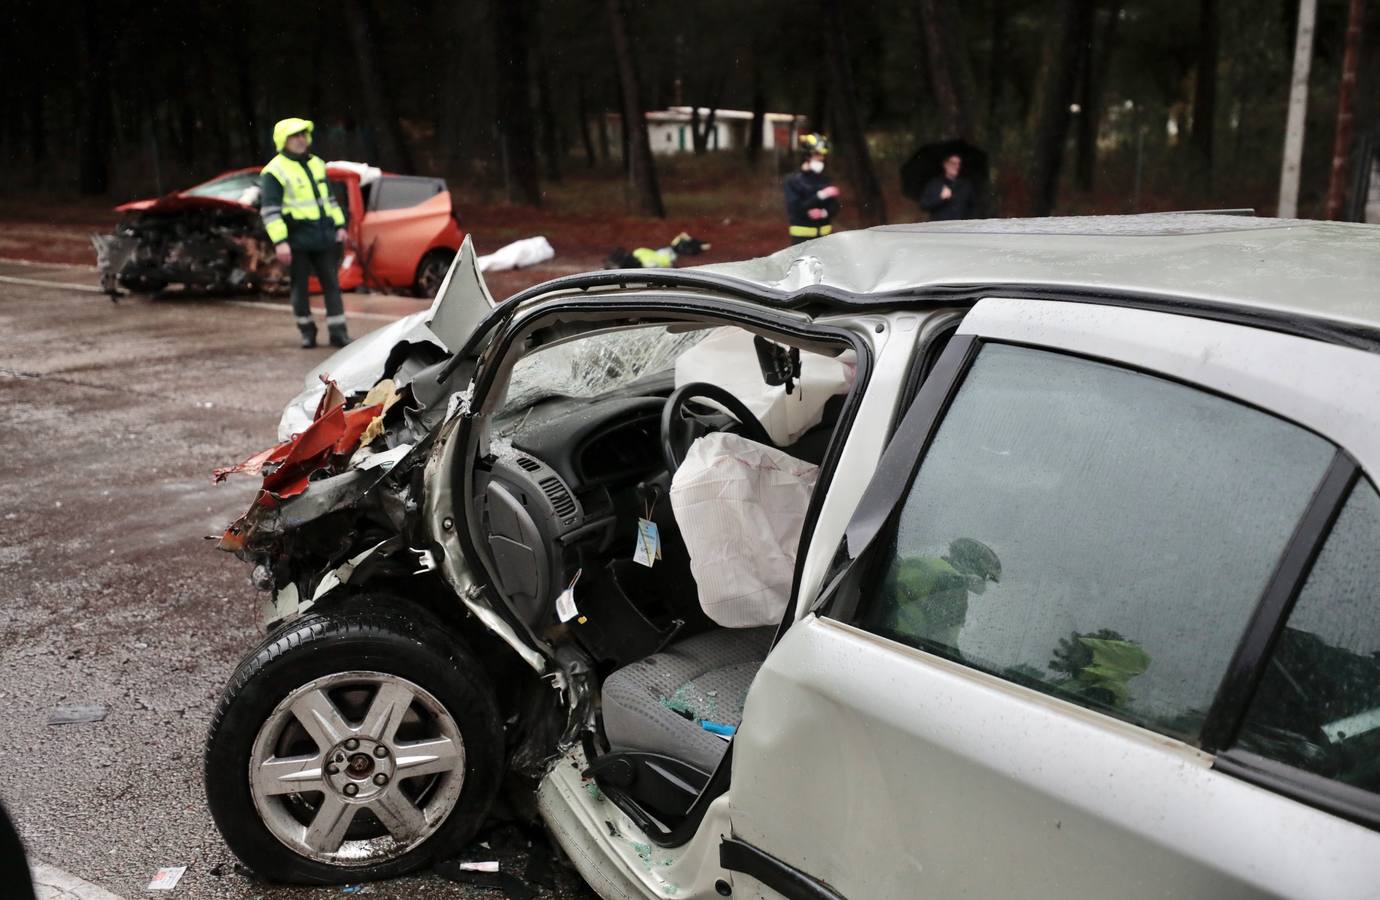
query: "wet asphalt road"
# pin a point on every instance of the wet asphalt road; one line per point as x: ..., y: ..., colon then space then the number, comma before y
x: 114, y: 416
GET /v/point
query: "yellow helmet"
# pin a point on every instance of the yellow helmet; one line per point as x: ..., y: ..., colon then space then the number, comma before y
x: 286, y: 128
x: 814, y: 143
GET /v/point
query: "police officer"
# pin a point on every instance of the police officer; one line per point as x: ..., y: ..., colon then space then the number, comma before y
x: 306, y: 226
x: 812, y: 200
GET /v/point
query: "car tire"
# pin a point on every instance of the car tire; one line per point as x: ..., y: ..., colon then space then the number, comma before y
x: 431, y: 271
x: 320, y: 654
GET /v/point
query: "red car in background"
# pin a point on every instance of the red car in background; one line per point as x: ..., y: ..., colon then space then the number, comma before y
x: 403, y: 234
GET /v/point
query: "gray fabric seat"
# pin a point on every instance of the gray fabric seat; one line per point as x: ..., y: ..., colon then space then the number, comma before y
x: 656, y: 704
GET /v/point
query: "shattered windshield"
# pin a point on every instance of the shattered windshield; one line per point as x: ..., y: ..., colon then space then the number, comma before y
x: 227, y: 187
x: 591, y: 366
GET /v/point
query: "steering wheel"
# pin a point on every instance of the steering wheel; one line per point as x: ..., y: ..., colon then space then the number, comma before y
x: 681, y: 425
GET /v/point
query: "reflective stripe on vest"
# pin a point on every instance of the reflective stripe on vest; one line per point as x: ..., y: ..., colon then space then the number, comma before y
x: 810, y: 231
x: 301, y: 200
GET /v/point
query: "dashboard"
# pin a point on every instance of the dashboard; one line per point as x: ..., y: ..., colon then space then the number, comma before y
x: 552, y: 492
x: 599, y: 444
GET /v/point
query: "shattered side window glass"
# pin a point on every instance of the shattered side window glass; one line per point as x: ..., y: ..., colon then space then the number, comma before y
x: 1094, y: 533
x: 592, y: 366
x: 1318, y: 706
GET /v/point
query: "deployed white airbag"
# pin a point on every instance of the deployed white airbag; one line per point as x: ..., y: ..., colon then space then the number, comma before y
x: 741, y: 506
x: 727, y: 358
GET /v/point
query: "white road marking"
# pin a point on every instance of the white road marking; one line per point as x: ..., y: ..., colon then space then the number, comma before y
x: 252, y: 304
x: 260, y: 304
x: 51, y: 883
x: 40, y: 282
x: 11, y: 261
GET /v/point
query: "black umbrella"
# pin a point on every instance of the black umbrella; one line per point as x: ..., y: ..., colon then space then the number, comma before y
x: 928, y: 162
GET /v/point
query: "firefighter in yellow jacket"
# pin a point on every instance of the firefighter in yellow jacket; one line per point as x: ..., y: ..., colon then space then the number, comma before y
x: 306, y: 226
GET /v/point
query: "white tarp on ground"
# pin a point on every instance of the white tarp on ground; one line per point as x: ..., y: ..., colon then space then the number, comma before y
x: 517, y: 255
x: 741, y: 506
x: 727, y: 358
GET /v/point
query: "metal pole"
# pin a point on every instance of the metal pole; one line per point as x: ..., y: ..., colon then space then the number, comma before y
x: 1298, y: 112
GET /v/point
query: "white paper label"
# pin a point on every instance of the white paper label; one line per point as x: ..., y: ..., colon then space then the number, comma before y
x: 565, y: 605
x: 165, y: 879
x: 648, y: 549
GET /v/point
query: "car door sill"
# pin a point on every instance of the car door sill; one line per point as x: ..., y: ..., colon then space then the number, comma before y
x: 739, y: 856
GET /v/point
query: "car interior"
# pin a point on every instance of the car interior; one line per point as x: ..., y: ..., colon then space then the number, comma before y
x: 586, y: 444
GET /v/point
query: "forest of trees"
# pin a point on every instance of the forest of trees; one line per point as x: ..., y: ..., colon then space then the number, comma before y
x: 129, y: 97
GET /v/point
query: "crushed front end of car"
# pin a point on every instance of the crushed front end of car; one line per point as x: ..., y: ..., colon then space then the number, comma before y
x: 201, y: 243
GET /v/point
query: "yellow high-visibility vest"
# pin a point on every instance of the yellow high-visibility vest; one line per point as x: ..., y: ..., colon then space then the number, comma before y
x: 304, y: 199
x: 654, y: 259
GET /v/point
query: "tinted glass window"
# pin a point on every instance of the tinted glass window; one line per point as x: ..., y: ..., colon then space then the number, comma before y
x: 400, y: 192
x: 1095, y: 533
x: 1318, y: 706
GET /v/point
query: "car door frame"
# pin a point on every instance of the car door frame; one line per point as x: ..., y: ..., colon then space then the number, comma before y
x: 1239, y: 369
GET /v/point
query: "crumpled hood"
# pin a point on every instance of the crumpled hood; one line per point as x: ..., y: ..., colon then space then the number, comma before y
x: 355, y: 367
x: 461, y: 303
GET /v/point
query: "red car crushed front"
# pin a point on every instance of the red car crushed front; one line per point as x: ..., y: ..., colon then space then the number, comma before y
x: 403, y: 234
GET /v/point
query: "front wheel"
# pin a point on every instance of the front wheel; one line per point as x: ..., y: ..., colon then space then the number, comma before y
x: 353, y: 745
x: 431, y: 271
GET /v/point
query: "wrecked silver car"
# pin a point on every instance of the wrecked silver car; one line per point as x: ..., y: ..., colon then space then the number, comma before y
x: 836, y: 572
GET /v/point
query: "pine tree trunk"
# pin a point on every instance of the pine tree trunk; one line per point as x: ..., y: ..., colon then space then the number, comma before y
x: 638, y: 148
x: 381, y: 116
x: 1096, y: 62
x: 1341, y: 142
x: 582, y: 112
x: 1298, y: 111
x: 550, y: 132
x: 1205, y: 90
x: 700, y: 129
x: 947, y: 60
x: 852, y: 141
x: 244, y: 97
x: 93, y: 158
x: 512, y: 39
x: 605, y: 151
x: 1074, y: 23
x: 759, y: 106
x: 996, y: 73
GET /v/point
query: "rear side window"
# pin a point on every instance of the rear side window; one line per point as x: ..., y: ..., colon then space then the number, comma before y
x: 1094, y: 533
x: 402, y: 191
x: 1318, y: 705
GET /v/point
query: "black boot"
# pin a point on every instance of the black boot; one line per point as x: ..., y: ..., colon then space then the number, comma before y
x: 339, y: 336
x: 308, y: 332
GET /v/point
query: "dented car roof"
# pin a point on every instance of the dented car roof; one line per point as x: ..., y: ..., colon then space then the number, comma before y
x: 1290, y: 268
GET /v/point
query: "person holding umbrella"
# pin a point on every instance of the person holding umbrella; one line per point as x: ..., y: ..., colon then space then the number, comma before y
x: 948, y: 196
